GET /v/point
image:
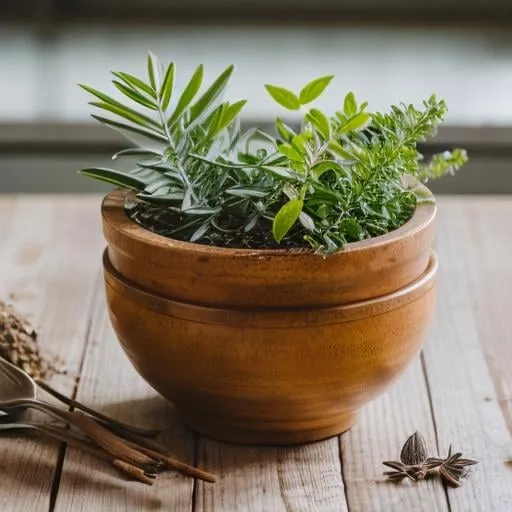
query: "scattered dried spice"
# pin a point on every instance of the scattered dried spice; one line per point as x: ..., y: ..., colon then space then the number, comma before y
x: 415, y: 464
x: 18, y: 345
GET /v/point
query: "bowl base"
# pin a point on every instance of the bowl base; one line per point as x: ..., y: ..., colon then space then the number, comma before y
x: 263, y: 435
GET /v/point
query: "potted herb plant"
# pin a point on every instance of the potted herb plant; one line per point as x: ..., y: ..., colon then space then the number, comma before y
x: 268, y: 285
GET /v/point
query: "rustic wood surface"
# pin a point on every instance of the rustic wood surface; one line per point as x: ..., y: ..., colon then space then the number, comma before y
x: 458, y: 392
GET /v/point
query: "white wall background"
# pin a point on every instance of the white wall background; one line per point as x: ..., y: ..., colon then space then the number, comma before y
x: 471, y: 69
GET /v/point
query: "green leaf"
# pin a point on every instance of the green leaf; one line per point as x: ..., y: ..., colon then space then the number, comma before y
x: 187, y: 95
x: 314, y: 89
x: 285, y: 132
x: 135, y: 96
x: 129, y: 114
x: 201, y: 231
x: 113, y: 177
x: 201, y: 210
x: 150, y: 134
x: 284, y: 97
x: 167, y: 85
x: 135, y: 83
x: 137, y: 152
x: 231, y: 112
x: 154, y: 69
x: 350, y: 105
x: 320, y: 121
x: 340, y: 151
x: 286, y: 217
x: 324, y: 167
x: 246, y: 192
x: 307, y: 221
x: 211, y: 94
x: 290, y: 152
x: 282, y: 172
x: 357, y: 122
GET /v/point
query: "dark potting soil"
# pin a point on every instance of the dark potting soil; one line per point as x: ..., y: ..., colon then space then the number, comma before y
x: 162, y: 221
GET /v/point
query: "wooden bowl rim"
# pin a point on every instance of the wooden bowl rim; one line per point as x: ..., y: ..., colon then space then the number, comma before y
x: 114, y: 215
x: 271, y: 317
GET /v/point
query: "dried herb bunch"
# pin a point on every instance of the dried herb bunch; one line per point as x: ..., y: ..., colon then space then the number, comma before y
x: 340, y: 178
x: 18, y: 344
x: 415, y: 464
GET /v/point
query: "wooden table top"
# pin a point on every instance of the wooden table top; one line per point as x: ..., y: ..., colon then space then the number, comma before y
x: 458, y: 392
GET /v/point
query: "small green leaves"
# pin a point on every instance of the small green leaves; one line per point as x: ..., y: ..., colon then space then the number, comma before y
x: 350, y: 105
x: 333, y: 180
x: 284, y: 131
x: 314, y: 89
x: 283, y: 96
x: 167, y: 85
x: 357, y: 122
x: 286, y: 217
x: 319, y: 120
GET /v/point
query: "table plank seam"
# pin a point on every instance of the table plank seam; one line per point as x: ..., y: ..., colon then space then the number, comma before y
x: 424, y: 370
x: 94, y: 297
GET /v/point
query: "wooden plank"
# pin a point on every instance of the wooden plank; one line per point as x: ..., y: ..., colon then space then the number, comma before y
x: 253, y: 479
x: 109, y: 383
x: 379, y: 434
x: 49, y: 256
x: 466, y: 411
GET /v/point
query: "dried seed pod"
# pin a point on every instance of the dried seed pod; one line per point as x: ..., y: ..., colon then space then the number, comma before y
x: 414, y: 451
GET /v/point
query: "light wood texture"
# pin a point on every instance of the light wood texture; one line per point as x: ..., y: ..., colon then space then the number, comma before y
x: 467, y: 361
x: 301, y: 479
x: 466, y: 410
x: 113, y: 386
x: 379, y: 433
x: 41, y: 249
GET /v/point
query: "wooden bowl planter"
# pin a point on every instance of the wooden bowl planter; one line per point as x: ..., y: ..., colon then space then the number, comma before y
x: 215, y: 276
x: 270, y: 346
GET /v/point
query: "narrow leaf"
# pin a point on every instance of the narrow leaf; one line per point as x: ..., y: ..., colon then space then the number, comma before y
x: 307, y: 221
x: 282, y: 172
x: 201, y: 231
x: 231, y: 112
x: 129, y: 114
x: 340, y: 151
x: 286, y: 217
x: 211, y: 94
x: 135, y: 96
x: 167, y: 85
x: 153, y: 70
x: 314, y: 89
x: 118, y: 178
x: 188, y: 95
x: 246, y: 192
x: 283, y: 96
x: 137, y: 152
x: 150, y: 134
x: 135, y: 83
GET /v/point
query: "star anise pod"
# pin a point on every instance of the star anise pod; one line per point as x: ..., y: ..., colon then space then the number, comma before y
x: 452, y: 469
x: 412, y: 460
